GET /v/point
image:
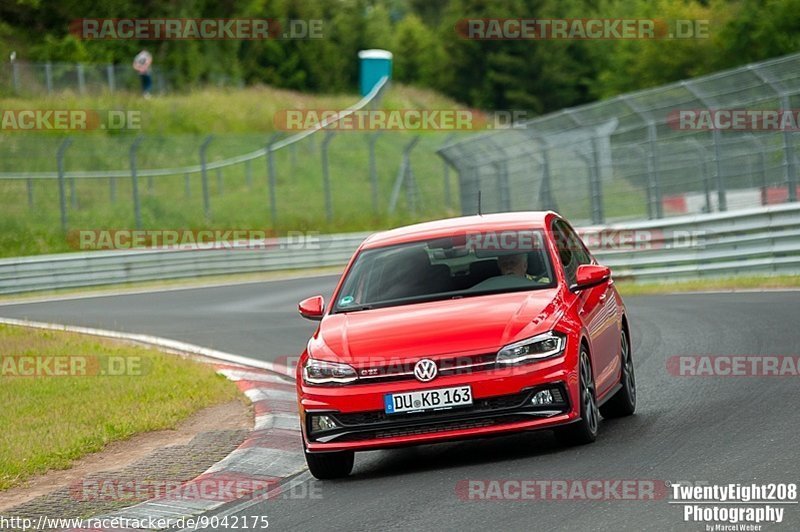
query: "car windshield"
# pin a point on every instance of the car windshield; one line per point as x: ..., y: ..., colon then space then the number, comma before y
x: 451, y: 267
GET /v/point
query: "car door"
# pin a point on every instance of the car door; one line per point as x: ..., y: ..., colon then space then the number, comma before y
x: 596, y: 307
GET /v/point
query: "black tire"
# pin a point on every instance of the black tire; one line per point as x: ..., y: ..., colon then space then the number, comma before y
x: 585, y: 429
x: 326, y: 466
x: 623, y: 403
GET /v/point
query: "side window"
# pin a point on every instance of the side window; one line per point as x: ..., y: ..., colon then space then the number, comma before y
x: 571, y: 251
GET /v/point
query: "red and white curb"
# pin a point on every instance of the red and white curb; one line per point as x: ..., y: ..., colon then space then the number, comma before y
x: 270, y: 454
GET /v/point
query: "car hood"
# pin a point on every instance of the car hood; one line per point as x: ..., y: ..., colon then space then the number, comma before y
x: 408, y: 332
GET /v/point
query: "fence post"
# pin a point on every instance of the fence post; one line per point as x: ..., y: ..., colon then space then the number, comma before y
x: 73, y: 194
x: 81, y: 79
x: 112, y: 82
x: 788, y: 148
x: 204, y: 175
x: 30, y: 193
x: 501, y: 171
x: 448, y: 198
x: 272, y: 179
x: 373, y: 170
x: 405, y: 174
x: 597, y: 187
x: 15, y: 75
x: 137, y: 208
x: 722, y: 198
x: 248, y: 173
x: 62, y: 200
x: 48, y: 77
x: 326, y: 179
x: 654, y: 191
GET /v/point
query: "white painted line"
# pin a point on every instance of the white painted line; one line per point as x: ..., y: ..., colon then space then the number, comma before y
x: 263, y: 394
x: 164, y: 343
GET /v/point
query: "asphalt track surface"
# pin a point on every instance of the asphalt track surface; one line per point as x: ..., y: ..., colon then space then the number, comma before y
x: 716, y: 430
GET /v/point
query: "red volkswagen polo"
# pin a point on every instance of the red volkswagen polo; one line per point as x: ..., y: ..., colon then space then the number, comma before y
x: 461, y: 328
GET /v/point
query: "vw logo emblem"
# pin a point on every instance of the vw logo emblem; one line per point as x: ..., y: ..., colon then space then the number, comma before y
x: 425, y: 370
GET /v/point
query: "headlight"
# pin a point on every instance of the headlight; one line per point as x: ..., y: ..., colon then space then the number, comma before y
x: 321, y: 372
x: 542, y: 346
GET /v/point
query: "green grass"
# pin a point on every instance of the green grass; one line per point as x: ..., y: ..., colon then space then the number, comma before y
x: 241, y: 121
x: 49, y: 422
x: 744, y: 282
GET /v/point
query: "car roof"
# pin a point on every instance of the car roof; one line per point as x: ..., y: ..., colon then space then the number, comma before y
x: 462, y: 224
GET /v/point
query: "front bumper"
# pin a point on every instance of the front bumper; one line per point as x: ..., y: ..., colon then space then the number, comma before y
x: 501, y: 404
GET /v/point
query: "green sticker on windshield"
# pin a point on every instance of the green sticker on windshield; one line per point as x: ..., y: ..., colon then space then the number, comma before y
x: 346, y: 300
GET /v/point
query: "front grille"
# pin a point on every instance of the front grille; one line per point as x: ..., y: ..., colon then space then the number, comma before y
x: 486, y: 412
x: 462, y: 365
x: 378, y: 416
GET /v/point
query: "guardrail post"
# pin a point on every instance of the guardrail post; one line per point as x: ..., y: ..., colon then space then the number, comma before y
x: 112, y: 82
x: 272, y: 179
x: 204, y: 175
x: 137, y: 208
x: 326, y: 178
x: 48, y: 77
x: 62, y: 200
x: 373, y: 170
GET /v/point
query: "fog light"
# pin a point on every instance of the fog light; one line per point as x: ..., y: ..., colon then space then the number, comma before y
x: 320, y: 423
x: 542, y: 398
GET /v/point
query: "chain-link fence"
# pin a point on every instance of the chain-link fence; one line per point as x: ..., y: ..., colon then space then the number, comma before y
x: 649, y: 154
x: 317, y: 180
x: 34, y: 79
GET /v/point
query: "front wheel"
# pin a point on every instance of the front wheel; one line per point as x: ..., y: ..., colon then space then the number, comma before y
x: 624, y: 401
x: 585, y: 429
x: 325, y: 466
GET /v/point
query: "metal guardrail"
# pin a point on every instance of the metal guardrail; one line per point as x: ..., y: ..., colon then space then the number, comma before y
x: 765, y: 240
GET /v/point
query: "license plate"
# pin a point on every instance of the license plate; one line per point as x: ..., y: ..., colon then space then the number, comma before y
x: 440, y: 398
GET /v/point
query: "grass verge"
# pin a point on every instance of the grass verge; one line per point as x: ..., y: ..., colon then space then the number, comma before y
x: 50, y: 421
x: 750, y: 282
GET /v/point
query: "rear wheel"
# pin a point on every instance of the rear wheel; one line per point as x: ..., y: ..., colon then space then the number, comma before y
x: 326, y: 466
x: 585, y: 429
x: 624, y: 401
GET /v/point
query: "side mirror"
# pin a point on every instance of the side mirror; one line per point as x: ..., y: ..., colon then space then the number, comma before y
x: 589, y: 275
x: 312, y: 308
